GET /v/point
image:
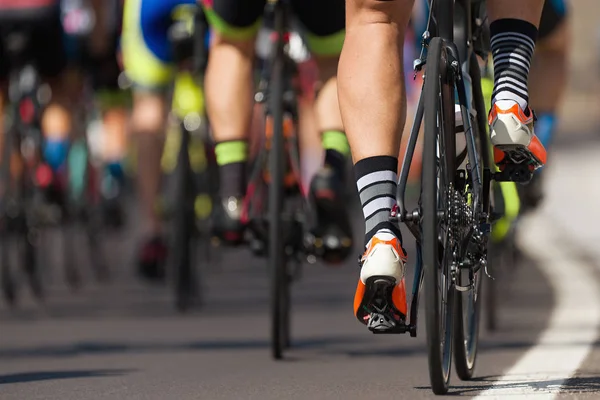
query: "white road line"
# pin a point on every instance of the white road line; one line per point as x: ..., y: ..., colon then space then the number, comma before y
x: 574, y: 324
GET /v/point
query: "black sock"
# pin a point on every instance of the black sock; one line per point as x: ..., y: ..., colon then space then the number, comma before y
x: 232, y: 182
x: 376, y: 183
x: 337, y: 161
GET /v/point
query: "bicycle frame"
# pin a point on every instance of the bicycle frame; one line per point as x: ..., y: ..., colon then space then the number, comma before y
x: 461, y: 61
x: 279, y: 10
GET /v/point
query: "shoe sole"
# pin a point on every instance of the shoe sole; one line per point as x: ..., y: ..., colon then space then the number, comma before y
x: 517, y: 154
x: 378, y: 308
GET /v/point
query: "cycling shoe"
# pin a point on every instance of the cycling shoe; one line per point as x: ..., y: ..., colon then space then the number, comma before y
x: 332, y: 233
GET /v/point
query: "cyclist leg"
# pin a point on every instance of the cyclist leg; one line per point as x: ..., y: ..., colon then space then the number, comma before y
x: 373, y: 105
x: 514, y: 30
x: 147, y: 61
x: 113, y: 105
x: 324, y: 22
x: 229, y: 86
x: 50, y: 56
x: 550, y: 64
x: 547, y: 83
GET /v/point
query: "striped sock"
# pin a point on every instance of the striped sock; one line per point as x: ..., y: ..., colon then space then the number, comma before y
x: 376, y: 183
x: 513, y: 43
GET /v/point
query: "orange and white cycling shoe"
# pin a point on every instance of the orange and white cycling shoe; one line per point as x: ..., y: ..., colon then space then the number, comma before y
x: 380, y: 299
x: 511, y: 133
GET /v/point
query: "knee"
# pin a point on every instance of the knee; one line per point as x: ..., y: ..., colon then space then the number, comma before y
x: 148, y: 114
x: 244, y: 47
x: 379, y: 11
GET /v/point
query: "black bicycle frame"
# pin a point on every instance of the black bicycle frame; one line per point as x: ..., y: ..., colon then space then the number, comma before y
x: 281, y: 14
x: 452, y: 21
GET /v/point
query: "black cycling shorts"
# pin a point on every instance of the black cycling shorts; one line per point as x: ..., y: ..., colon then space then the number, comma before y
x: 553, y: 14
x: 324, y: 20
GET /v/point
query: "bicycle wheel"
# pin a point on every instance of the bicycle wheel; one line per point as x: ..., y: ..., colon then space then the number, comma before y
x: 9, y: 286
x: 29, y: 242
x: 276, y: 254
x: 437, y: 185
x: 186, y: 285
x: 27, y: 232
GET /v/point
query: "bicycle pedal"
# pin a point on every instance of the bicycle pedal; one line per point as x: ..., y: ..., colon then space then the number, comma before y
x: 386, y: 323
x: 510, y: 172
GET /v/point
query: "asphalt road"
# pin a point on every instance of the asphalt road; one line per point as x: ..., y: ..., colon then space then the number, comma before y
x: 125, y: 341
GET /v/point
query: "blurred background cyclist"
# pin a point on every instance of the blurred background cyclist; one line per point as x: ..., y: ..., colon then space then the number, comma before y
x: 72, y: 42
x: 230, y: 88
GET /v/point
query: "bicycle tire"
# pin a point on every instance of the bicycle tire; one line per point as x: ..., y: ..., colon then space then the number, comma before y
x: 276, y: 254
x: 9, y: 285
x: 185, y: 279
x: 72, y: 274
x: 31, y: 265
x: 86, y: 219
x: 438, y: 107
x: 491, y: 292
x: 286, y: 309
x: 466, y: 330
x: 28, y: 234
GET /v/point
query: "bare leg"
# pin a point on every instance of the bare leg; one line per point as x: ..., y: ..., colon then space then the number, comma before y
x: 148, y: 125
x: 327, y: 106
x: 547, y: 83
x: 115, y: 126
x: 548, y: 77
x: 229, y: 100
x: 229, y: 88
x: 372, y: 98
x: 527, y: 10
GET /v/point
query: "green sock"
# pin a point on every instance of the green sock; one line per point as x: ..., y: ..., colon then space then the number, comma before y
x: 231, y: 151
x: 336, y: 140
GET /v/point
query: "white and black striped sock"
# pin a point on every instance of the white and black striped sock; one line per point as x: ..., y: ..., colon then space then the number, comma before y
x: 376, y: 183
x: 513, y: 44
